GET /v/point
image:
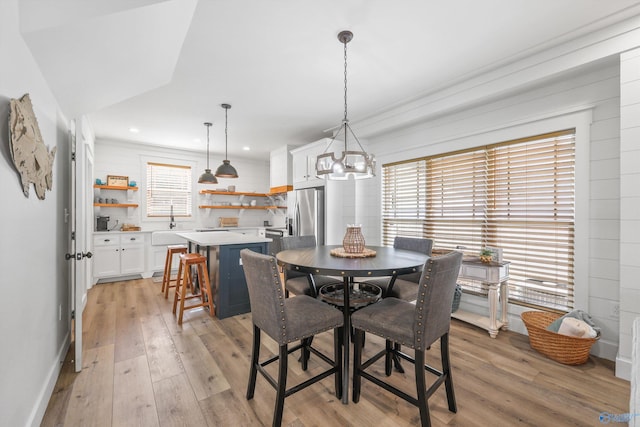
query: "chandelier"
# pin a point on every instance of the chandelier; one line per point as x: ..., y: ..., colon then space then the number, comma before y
x: 207, y: 177
x: 352, y: 163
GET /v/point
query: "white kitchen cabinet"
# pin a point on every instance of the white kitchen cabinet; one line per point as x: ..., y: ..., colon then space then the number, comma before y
x: 106, y: 256
x: 118, y: 254
x: 158, y: 258
x: 280, y: 163
x: 304, y: 164
x: 131, y: 254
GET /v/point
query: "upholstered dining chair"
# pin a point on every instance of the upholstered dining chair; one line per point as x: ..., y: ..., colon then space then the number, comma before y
x: 302, y: 283
x: 405, y: 286
x: 286, y: 320
x: 417, y: 326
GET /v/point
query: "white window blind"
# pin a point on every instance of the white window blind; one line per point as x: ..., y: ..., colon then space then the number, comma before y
x: 517, y: 195
x: 403, y: 200
x: 168, y: 186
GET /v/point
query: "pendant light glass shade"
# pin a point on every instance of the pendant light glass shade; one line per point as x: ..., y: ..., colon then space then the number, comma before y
x: 225, y: 170
x: 207, y: 177
x: 356, y: 164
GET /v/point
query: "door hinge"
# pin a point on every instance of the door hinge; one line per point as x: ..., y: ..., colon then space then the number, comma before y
x: 73, y: 314
x: 73, y: 157
x: 73, y: 235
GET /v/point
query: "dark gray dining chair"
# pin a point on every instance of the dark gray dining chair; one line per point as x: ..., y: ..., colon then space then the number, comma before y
x: 302, y: 283
x: 405, y: 286
x: 417, y: 326
x: 286, y: 320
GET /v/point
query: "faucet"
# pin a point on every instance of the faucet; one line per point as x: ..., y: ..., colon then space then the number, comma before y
x: 172, y: 220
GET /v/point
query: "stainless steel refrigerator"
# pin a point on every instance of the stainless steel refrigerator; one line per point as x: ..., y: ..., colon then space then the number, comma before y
x: 307, y: 213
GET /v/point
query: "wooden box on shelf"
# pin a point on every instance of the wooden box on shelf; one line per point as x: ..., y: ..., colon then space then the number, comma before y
x: 117, y: 181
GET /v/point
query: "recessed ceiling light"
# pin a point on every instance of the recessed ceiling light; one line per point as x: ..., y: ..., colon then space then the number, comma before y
x: 134, y: 130
x: 246, y: 148
x: 197, y: 140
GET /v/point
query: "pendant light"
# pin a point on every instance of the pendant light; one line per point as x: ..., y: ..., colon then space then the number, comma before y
x: 352, y: 163
x: 225, y: 170
x: 207, y: 177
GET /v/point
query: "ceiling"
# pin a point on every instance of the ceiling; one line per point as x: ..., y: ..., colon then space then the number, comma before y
x: 164, y: 67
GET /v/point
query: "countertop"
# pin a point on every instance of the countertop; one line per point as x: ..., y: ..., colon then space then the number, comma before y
x: 220, y: 238
x: 207, y: 229
x: 119, y: 232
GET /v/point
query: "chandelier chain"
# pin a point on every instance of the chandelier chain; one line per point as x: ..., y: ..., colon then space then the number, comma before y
x: 345, y: 81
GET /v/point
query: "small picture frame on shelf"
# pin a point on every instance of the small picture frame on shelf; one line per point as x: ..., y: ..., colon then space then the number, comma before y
x: 496, y: 254
x: 117, y: 181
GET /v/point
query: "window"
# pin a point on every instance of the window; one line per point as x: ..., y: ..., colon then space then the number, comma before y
x: 168, y: 190
x: 518, y: 196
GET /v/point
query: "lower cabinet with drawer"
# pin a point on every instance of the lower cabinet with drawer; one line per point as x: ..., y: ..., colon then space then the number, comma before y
x: 118, y: 254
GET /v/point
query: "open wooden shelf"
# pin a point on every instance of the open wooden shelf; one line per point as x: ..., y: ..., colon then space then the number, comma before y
x: 233, y: 193
x: 116, y: 205
x: 113, y: 187
x: 240, y: 207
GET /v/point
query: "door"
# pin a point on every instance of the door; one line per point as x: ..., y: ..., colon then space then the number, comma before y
x: 81, y: 164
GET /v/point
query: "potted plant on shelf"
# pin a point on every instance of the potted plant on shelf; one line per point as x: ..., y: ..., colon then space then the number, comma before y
x: 486, y: 255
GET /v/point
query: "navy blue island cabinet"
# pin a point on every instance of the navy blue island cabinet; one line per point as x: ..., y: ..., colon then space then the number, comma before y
x: 232, y: 296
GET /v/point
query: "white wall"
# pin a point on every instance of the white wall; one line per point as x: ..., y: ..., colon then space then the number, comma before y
x: 34, y: 274
x: 572, y: 100
x: 629, y: 268
x: 130, y: 159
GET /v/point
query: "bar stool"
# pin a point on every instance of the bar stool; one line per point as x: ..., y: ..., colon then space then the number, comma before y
x: 166, y: 277
x: 185, y: 279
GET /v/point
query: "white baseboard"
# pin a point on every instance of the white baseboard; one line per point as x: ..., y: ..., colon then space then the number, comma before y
x: 119, y: 278
x: 41, y: 403
x: 479, y: 305
x: 623, y: 368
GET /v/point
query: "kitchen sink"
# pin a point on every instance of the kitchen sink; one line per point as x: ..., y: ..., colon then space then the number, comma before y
x: 167, y: 237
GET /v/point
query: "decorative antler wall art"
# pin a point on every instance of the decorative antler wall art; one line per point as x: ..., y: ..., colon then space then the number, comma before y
x: 32, y: 158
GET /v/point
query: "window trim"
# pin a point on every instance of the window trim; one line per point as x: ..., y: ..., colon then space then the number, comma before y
x: 579, y: 117
x: 177, y: 161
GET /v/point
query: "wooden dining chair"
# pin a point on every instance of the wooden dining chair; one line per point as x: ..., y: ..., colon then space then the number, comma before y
x: 286, y: 320
x: 302, y: 283
x: 405, y: 286
x: 416, y: 326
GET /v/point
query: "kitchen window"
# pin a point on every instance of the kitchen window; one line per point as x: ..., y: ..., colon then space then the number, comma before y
x: 516, y: 195
x: 168, y: 190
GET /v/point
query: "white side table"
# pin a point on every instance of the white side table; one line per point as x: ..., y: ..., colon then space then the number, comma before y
x: 494, y: 274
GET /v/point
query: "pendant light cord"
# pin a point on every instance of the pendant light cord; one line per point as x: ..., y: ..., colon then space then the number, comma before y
x: 226, y: 154
x: 208, y: 126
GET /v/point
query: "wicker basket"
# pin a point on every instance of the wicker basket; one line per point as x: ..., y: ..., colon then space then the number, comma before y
x: 561, y: 348
x: 456, y: 298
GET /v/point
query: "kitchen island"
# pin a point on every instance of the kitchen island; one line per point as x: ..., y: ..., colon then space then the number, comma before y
x: 222, y: 249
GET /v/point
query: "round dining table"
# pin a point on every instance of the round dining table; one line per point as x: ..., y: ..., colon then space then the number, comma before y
x: 387, y: 261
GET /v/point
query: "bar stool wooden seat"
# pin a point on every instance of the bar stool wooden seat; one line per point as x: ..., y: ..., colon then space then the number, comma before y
x: 185, y: 280
x: 166, y: 277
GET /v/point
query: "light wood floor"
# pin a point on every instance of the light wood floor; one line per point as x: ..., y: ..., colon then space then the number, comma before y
x: 141, y: 369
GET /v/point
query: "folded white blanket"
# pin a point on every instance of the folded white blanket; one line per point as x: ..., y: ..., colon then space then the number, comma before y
x: 576, y: 328
x: 576, y: 314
